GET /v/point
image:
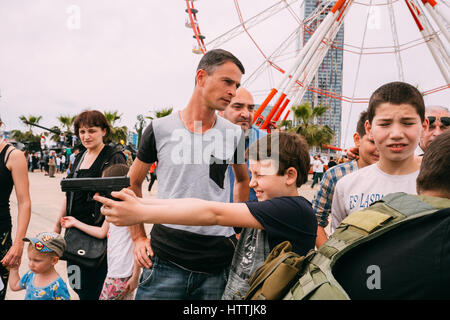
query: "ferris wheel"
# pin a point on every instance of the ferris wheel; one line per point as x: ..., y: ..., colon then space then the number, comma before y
x: 389, y: 40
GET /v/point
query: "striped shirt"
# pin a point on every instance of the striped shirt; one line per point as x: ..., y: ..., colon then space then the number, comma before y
x: 324, y: 197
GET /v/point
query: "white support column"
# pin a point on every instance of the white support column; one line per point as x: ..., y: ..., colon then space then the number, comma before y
x: 398, y: 57
x: 437, y: 18
x: 433, y: 42
x: 304, y: 58
x: 321, y: 52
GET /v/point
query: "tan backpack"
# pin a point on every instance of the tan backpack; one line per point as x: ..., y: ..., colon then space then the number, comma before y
x: 280, y: 270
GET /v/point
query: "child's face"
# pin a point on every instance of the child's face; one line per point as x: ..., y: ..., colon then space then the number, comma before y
x: 396, y: 130
x: 265, y: 181
x: 368, y: 152
x: 39, y: 262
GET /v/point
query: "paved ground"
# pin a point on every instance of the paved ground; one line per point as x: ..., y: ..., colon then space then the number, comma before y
x: 47, y: 199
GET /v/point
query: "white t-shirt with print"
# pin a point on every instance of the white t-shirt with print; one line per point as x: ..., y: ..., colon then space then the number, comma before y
x: 120, y: 252
x: 317, y: 166
x: 361, y: 188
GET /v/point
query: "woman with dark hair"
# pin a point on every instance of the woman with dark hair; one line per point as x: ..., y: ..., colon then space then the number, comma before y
x: 13, y: 173
x: 91, y: 127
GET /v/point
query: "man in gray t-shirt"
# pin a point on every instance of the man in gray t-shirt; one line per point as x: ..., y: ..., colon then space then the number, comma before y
x: 193, y: 148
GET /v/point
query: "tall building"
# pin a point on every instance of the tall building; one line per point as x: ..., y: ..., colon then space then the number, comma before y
x: 328, y: 76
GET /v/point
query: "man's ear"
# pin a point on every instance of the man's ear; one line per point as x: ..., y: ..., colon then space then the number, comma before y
x: 425, y: 125
x: 291, y: 175
x: 200, y: 77
x: 357, y: 139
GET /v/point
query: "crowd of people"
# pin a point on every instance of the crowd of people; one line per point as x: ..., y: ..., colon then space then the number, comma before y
x: 48, y: 161
x: 228, y: 193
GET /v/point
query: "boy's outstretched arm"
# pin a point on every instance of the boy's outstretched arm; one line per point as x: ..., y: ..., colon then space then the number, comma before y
x: 195, y: 212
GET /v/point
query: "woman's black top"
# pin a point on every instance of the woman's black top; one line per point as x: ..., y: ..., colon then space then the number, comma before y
x: 6, y: 186
x: 84, y: 208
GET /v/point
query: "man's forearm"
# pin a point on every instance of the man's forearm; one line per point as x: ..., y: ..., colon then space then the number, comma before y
x: 241, y: 191
x: 23, y: 219
x: 321, y: 237
x: 137, y: 231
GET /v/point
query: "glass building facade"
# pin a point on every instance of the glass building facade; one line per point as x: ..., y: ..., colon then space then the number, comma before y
x: 328, y: 76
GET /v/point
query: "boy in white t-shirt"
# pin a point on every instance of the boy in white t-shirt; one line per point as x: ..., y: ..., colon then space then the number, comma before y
x: 396, y: 119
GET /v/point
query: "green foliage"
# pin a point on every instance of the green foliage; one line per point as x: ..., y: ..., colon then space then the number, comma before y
x: 31, y: 119
x: 286, y: 124
x: 315, y: 134
x: 117, y: 133
x: 160, y: 113
x: 31, y: 141
x: 139, y: 126
x: 66, y: 122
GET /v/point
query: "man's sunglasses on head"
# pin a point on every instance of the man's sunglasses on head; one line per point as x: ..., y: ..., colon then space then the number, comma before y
x: 444, y: 120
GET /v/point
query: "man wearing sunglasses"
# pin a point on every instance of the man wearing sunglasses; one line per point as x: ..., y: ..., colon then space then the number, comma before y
x: 439, y: 121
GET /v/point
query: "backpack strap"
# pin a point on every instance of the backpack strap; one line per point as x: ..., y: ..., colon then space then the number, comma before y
x: 407, y: 204
x: 74, y: 174
x: 110, y: 153
x: 359, y: 227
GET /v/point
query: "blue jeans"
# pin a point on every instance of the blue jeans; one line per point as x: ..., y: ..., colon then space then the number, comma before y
x: 166, y: 281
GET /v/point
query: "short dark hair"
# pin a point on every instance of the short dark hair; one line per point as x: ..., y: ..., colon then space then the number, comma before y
x: 116, y: 170
x: 397, y: 93
x: 360, y: 128
x: 91, y: 118
x: 217, y: 57
x: 434, y: 172
x: 292, y: 151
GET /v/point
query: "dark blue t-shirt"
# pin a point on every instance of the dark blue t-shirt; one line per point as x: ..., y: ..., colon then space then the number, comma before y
x: 287, y: 218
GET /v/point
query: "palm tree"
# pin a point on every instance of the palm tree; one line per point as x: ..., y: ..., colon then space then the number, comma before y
x: 66, y: 122
x: 160, y: 113
x: 315, y: 134
x: 31, y: 141
x: 30, y: 120
x: 139, y: 126
x: 118, y: 134
x: 286, y: 124
x: 112, y: 117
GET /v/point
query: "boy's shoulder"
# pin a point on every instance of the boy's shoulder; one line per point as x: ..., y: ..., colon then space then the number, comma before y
x: 289, y: 199
x: 27, y: 277
x: 342, y: 169
x: 284, y: 202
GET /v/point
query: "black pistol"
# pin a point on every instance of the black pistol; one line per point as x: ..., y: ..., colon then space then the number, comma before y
x: 104, y: 186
